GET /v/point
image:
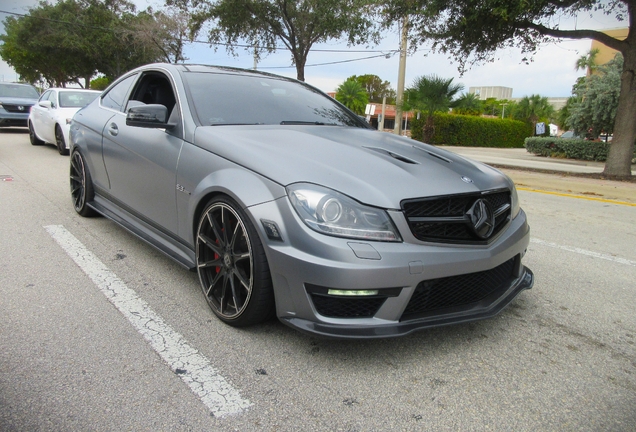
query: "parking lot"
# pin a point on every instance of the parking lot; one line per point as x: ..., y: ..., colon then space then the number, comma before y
x: 561, y: 357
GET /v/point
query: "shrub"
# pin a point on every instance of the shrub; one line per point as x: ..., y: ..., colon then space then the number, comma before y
x: 471, y: 131
x: 571, y: 148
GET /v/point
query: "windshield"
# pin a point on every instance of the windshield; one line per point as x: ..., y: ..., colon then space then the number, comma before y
x: 18, y: 91
x: 233, y: 99
x: 76, y: 99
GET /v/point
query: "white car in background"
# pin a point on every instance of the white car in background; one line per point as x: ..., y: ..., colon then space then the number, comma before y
x: 50, y: 118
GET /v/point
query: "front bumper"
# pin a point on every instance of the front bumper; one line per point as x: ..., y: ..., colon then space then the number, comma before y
x: 9, y: 119
x: 305, y: 265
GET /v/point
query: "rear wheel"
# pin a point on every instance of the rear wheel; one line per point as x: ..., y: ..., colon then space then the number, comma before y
x: 81, y: 185
x: 232, y: 265
x: 59, y: 140
x: 33, y: 137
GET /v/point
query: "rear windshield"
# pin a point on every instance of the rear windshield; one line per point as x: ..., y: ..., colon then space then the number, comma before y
x: 229, y: 99
x: 18, y: 91
x: 77, y: 99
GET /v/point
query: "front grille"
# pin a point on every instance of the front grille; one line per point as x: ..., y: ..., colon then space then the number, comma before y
x: 16, y: 108
x: 344, y: 307
x: 459, y: 291
x: 443, y: 219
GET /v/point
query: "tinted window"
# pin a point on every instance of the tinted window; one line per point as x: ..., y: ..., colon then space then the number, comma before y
x: 77, y: 99
x: 19, y: 91
x: 45, y: 95
x: 219, y: 99
x: 115, y: 97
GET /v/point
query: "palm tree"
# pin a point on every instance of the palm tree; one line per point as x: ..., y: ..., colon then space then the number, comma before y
x: 588, y: 62
x: 532, y: 109
x: 469, y: 104
x: 431, y: 94
x: 352, y: 95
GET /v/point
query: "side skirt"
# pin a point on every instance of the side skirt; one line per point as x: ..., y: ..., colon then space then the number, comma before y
x: 165, y: 243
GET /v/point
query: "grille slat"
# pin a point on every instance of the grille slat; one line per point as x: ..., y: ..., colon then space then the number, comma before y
x: 457, y: 291
x: 456, y: 206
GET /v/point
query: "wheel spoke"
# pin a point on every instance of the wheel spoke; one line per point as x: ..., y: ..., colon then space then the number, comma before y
x: 214, y: 263
x: 241, y: 278
x: 216, y: 229
x: 240, y: 256
x: 207, y: 241
x: 234, y: 294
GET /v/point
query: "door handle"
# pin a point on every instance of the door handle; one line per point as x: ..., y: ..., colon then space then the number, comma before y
x: 113, y: 129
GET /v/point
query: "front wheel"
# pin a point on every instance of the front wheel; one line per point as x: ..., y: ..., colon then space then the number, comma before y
x: 81, y: 185
x: 232, y: 265
x: 59, y: 140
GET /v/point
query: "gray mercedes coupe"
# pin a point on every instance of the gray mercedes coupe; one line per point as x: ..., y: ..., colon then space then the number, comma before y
x: 286, y: 203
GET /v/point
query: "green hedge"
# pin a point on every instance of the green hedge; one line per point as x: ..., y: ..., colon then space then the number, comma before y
x: 473, y: 131
x: 570, y: 148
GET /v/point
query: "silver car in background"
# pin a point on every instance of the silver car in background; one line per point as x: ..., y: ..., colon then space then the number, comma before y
x: 287, y: 203
x: 16, y: 101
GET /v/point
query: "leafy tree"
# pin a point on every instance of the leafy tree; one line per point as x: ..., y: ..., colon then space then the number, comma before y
x: 588, y: 62
x: 496, y: 107
x: 472, y: 30
x: 533, y: 109
x: 353, y: 95
x: 297, y: 24
x: 595, y: 101
x: 468, y: 104
x: 75, y: 39
x: 431, y: 94
x: 563, y: 115
x: 167, y: 30
x: 376, y: 88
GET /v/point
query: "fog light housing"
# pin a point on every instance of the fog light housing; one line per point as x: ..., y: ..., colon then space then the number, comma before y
x: 353, y: 293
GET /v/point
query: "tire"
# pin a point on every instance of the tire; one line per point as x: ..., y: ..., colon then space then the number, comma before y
x: 59, y: 141
x: 232, y: 265
x: 81, y: 185
x: 33, y: 137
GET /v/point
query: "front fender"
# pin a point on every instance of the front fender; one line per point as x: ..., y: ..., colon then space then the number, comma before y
x: 209, y: 175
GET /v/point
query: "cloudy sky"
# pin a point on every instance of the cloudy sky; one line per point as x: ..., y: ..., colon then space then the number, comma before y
x: 551, y: 74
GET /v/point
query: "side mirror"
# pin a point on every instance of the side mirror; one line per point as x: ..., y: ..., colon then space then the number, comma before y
x: 148, y: 116
x: 45, y: 104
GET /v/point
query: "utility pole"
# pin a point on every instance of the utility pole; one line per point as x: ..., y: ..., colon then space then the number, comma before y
x: 401, y: 74
x: 381, y: 122
x: 503, y: 109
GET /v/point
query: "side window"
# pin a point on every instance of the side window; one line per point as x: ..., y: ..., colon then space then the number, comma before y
x: 53, y: 99
x: 114, y: 99
x: 154, y: 88
x: 45, y: 95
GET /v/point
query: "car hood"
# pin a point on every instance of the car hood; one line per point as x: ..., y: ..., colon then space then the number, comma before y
x: 375, y: 168
x: 18, y: 101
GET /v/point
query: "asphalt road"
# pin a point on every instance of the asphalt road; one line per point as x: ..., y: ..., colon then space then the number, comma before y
x: 561, y: 357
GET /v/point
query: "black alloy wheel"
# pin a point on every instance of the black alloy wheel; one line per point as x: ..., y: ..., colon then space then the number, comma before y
x: 59, y: 140
x: 81, y: 185
x: 232, y: 266
x: 33, y: 137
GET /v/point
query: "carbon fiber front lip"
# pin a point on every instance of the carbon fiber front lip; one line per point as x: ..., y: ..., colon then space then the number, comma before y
x: 352, y: 331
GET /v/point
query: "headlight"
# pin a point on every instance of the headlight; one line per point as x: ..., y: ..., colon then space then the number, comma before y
x: 514, y: 199
x: 329, y: 212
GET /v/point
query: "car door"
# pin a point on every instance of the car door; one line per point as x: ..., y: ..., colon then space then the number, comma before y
x: 37, y: 119
x: 48, y: 118
x: 141, y: 162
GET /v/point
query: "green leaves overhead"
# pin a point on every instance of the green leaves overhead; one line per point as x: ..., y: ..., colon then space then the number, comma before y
x: 296, y: 24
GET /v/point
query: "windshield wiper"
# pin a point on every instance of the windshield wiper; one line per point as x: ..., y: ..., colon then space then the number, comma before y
x: 298, y: 122
x: 236, y: 124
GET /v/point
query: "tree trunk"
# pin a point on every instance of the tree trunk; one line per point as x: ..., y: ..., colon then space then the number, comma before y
x: 621, y: 150
x: 300, y: 61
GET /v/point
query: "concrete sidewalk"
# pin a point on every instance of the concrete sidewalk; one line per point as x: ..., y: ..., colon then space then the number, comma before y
x: 559, y: 174
x: 521, y: 158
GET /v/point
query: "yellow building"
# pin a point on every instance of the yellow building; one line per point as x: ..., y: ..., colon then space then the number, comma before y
x: 605, y: 53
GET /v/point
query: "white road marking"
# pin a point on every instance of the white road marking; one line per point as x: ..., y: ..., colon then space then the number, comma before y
x: 584, y: 252
x: 191, y: 366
